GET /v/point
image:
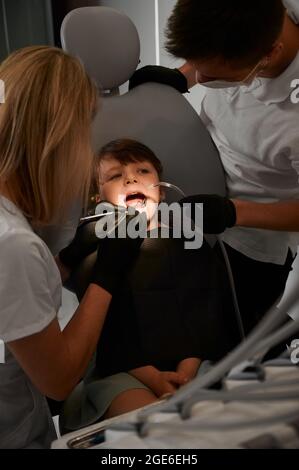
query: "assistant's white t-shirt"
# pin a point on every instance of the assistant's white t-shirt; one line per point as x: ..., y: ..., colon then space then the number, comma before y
x: 256, y: 130
x: 30, y: 297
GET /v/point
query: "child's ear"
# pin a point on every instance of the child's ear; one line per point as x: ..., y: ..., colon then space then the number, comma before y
x: 98, y: 195
x: 162, y: 194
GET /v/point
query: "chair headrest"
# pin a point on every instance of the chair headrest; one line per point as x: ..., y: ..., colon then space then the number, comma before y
x: 106, y: 41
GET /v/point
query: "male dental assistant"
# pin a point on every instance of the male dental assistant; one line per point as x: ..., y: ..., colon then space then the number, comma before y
x: 246, y: 54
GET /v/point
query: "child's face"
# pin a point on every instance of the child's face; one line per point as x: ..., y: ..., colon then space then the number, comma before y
x: 128, y: 185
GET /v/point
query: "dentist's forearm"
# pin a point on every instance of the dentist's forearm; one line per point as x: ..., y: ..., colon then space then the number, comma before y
x: 280, y: 216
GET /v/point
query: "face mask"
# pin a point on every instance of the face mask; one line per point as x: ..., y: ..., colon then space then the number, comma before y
x: 221, y: 84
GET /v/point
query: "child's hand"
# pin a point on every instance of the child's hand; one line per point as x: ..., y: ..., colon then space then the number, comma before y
x: 167, y: 383
x: 188, y: 368
x: 161, y: 383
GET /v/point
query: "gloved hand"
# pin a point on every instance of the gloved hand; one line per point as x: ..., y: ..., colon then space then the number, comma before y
x: 84, y: 243
x: 159, y: 74
x: 114, y: 258
x: 219, y: 213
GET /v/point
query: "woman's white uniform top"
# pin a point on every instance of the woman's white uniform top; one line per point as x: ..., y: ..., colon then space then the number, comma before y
x: 30, y: 297
x: 256, y: 130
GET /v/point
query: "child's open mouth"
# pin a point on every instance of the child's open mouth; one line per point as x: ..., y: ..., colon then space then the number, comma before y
x: 136, y: 200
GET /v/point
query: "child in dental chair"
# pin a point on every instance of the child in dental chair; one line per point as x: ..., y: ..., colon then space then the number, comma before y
x: 172, y: 312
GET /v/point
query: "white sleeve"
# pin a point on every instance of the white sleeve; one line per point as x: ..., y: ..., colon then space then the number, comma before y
x: 292, y: 7
x: 293, y: 150
x: 203, y: 115
x: 26, y: 302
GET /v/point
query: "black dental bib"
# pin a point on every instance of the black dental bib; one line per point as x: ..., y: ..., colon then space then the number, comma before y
x: 173, y: 304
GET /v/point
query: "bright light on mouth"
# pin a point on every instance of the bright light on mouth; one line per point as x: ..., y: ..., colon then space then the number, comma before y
x: 137, y: 200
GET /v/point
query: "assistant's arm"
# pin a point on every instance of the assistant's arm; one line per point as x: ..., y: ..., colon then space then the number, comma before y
x: 55, y: 361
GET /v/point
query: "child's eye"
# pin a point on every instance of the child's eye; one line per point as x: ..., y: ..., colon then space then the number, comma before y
x: 144, y: 170
x: 114, y: 177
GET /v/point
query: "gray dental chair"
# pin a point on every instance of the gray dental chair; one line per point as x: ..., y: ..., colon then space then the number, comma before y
x: 107, y: 43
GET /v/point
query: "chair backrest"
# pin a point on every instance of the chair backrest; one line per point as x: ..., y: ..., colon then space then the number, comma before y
x: 107, y: 43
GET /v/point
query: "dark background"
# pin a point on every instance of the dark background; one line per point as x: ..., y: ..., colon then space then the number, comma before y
x: 33, y: 22
x: 60, y: 8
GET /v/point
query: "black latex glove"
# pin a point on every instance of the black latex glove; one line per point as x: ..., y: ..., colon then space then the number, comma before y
x: 159, y: 74
x: 219, y: 213
x: 84, y: 243
x: 114, y: 257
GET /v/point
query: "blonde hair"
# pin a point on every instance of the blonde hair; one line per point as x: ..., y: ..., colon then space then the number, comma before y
x: 46, y: 160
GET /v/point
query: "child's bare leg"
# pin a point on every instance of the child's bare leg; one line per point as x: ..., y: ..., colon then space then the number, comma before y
x: 130, y: 400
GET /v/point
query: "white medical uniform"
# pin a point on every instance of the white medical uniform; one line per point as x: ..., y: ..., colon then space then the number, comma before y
x: 256, y: 130
x: 30, y: 296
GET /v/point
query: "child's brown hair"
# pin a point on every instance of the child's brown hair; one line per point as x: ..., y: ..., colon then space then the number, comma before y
x: 128, y: 150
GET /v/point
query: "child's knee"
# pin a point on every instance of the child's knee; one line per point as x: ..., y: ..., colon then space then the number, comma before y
x: 130, y: 400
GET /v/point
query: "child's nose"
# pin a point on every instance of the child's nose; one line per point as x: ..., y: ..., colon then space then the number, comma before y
x: 131, y: 179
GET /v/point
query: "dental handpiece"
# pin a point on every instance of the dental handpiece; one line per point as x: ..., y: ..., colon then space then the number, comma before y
x: 152, y: 186
x: 97, y: 216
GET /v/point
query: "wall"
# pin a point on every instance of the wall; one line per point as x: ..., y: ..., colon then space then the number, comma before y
x: 61, y: 8
x: 3, y: 41
x: 165, y: 9
x: 142, y: 13
x: 24, y: 23
x: 150, y: 16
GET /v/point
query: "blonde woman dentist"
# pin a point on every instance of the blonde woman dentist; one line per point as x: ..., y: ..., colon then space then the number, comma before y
x: 45, y: 163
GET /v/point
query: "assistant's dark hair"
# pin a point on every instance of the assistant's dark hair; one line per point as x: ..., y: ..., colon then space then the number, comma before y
x: 240, y: 32
x: 128, y: 150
